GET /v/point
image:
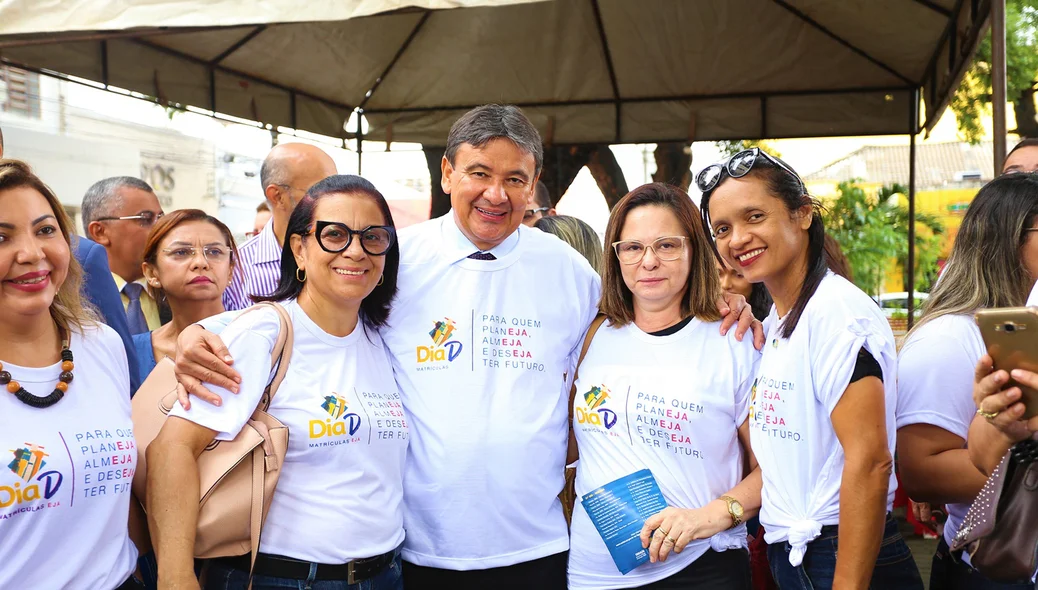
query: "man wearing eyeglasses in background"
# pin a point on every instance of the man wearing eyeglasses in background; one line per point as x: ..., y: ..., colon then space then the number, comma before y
x: 539, y: 206
x: 118, y: 213
x: 288, y: 171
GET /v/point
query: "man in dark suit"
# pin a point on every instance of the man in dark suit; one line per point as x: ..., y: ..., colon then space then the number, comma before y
x: 99, y: 288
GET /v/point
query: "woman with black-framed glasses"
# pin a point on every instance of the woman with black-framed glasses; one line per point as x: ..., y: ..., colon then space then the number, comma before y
x: 822, y: 412
x: 337, y: 515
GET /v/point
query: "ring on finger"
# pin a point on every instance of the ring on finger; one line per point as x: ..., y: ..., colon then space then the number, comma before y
x: 662, y: 532
x: 987, y: 415
x: 671, y: 540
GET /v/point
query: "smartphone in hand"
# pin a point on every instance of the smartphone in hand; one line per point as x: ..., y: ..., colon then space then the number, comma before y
x: 1011, y: 337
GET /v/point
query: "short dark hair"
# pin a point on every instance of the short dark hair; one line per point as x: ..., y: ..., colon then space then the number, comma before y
x: 541, y: 196
x: 98, y: 200
x: 263, y: 206
x: 492, y: 121
x: 375, y: 307
x: 1024, y: 143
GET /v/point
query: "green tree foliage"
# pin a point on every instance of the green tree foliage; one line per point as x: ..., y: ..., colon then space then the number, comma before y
x: 974, y: 94
x: 872, y: 230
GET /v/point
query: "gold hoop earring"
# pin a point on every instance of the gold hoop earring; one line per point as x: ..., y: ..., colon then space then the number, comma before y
x: 381, y: 279
x: 301, y: 279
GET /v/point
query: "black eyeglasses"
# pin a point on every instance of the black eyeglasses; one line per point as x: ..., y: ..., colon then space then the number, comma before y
x: 738, y: 166
x: 335, y: 237
x: 144, y: 218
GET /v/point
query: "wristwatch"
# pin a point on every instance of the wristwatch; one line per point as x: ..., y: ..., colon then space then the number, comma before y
x: 734, y: 509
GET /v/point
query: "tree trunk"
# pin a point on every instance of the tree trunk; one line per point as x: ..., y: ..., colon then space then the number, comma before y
x: 440, y: 202
x: 673, y: 164
x: 562, y: 163
x: 1026, y: 117
x: 608, y: 175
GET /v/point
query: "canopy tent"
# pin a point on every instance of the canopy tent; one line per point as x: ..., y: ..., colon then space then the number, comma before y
x: 585, y: 71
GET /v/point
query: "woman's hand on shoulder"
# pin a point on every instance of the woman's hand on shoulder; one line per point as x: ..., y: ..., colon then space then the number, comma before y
x: 201, y: 358
x: 734, y: 310
x: 672, y: 529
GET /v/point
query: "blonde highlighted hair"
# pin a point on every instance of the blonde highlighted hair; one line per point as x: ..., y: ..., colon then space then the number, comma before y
x: 985, y: 268
x: 68, y: 309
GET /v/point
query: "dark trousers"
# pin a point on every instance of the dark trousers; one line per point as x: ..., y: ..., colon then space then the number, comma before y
x: 950, y: 573
x: 725, y: 570
x: 546, y: 573
x: 895, y: 569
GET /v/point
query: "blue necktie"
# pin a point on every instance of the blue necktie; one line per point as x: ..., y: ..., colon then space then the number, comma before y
x: 134, y: 313
x: 482, y: 256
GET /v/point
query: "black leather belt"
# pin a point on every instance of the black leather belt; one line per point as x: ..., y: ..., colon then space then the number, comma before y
x: 277, y: 566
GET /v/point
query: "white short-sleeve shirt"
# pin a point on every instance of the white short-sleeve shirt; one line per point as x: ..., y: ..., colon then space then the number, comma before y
x: 339, y: 497
x: 66, y: 473
x: 480, y: 349
x: 800, y: 381
x: 671, y: 404
x: 935, y: 384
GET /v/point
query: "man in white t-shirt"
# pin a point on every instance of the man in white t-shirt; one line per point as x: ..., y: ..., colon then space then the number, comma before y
x: 480, y: 355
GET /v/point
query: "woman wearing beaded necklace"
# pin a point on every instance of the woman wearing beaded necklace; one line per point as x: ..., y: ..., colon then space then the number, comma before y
x: 65, y: 490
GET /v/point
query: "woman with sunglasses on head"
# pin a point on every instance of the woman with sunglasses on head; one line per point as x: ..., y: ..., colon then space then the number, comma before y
x: 822, y: 416
x: 661, y: 389
x: 994, y: 263
x: 65, y: 424
x: 188, y: 261
x: 336, y: 518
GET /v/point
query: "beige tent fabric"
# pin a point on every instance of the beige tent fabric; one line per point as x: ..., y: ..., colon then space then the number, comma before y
x: 584, y: 70
x: 54, y: 16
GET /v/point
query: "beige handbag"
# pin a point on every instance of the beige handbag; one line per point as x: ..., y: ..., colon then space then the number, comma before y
x: 237, y: 477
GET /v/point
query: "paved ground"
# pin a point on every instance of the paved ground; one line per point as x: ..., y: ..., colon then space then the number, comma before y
x: 922, y: 550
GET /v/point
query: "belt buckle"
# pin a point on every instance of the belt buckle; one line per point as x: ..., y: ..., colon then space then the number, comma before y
x: 351, y: 573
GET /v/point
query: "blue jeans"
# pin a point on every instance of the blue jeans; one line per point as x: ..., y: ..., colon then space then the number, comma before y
x: 950, y: 573
x: 221, y: 577
x: 895, y: 569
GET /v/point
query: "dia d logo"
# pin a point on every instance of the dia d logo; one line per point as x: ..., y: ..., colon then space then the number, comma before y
x: 341, y: 422
x: 28, y: 464
x: 595, y: 414
x: 443, y: 348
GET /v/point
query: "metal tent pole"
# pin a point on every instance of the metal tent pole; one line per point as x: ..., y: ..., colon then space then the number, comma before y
x: 913, y: 129
x: 360, y: 142
x: 998, y: 81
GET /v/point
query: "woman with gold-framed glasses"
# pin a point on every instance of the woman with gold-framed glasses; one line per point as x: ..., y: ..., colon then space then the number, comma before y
x: 188, y: 263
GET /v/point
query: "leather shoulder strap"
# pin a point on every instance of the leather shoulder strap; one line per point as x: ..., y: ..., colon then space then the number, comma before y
x: 592, y: 329
x: 281, y: 353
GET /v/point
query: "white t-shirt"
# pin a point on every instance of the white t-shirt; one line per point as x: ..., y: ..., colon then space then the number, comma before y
x: 479, y: 349
x: 339, y: 495
x: 799, y: 384
x: 66, y: 474
x: 935, y: 384
x: 671, y: 404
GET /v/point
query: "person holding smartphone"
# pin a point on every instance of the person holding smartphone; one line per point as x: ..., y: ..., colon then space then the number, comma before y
x: 822, y: 412
x: 993, y: 264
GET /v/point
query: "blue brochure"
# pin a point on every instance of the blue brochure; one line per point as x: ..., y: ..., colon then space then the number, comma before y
x: 619, y: 509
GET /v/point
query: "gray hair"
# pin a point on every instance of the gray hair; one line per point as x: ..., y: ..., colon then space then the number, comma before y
x: 492, y: 121
x: 103, y: 197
